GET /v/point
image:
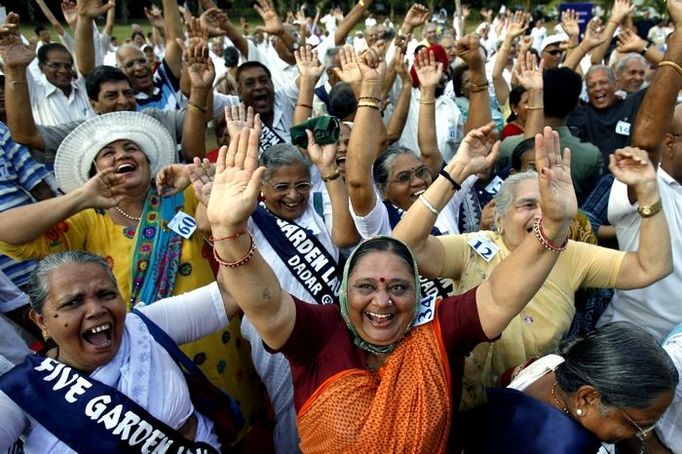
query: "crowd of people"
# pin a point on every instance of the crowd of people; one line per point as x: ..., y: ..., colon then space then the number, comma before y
x: 409, y: 237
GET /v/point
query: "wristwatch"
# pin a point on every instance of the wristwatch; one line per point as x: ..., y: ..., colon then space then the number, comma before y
x: 647, y: 211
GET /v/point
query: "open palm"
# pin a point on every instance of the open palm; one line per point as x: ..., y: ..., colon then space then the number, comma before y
x: 557, y: 195
x: 632, y: 166
x: 479, y: 149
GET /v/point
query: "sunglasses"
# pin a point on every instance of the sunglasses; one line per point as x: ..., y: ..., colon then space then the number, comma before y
x: 406, y: 176
x: 555, y: 52
x: 303, y: 187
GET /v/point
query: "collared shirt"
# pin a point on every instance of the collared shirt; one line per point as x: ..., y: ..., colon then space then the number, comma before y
x: 52, y: 107
x: 166, y: 93
x: 449, y: 125
x: 655, y: 308
x: 19, y: 174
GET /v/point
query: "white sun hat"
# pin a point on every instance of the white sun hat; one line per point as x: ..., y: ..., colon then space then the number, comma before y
x: 77, y: 151
x: 553, y: 39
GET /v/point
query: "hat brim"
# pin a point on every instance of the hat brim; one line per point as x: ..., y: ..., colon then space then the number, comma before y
x: 78, y: 150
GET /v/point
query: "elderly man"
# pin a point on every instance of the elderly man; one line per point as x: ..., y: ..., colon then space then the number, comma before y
x: 630, y: 73
x: 606, y: 120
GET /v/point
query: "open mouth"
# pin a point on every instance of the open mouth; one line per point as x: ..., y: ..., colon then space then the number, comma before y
x: 99, y: 336
x: 416, y: 194
x: 379, y: 320
x: 260, y: 101
x: 125, y: 168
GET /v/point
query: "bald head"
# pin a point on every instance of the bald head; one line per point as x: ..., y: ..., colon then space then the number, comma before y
x: 671, y: 160
x: 134, y: 64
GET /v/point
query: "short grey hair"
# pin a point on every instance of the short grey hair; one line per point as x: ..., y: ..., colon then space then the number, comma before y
x: 280, y: 155
x: 622, y: 361
x: 38, y: 285
x: 627, y: 59
x: 384, y: 164
x: 596, y: 68
x: 507, y: 191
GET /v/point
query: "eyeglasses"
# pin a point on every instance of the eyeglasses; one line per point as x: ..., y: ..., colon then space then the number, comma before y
x: 555, y: 52
x: 406, y: 176
x: 641, y: 431
x: 303, y: 187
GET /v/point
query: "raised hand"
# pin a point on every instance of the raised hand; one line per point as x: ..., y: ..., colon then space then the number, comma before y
x: 621, y: 8
x: 15, y: 54
x: 557, y: 195
x: 372, y: 66
x: 675, y: 11
x: 429, y: 70
x: 93, y: 8
x: 629, y: 41
x: 237, y: 183
x: 199, y: 65
x: 70, y: 13
x: 201, y: 174
x: 215, y: 21
x: 155, y: 17
x: 349, y: 71
x: 308, y: 65
x: 196, y: 32
x: 479, y: 150
x: 569, y: 22
x: 272, y: 23
x: 488, y: 215
x: 594, y: 33
x: 172, y: 179
x: 401, y: 41
x: 469, y: 49
x: 238, y: 117
x: 528, y: 72
x: 631, y: 165
x: 525, y: 44
x: 416, y: 16
x: 324, y: 157
x: 400, y: 67
x: 518, y: 24
x: 104, y: 190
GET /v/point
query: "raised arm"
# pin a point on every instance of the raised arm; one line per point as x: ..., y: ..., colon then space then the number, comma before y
x: 416, y: 17
x: 110, y: 21
x: 201, y: 75
x: 101, y: 191
x: 17, y: 56
x: 349, y: 21
x: 344, y: 234
x: 629, y: 41
x: 653, y: 259
x: 621, y: 9
x: 570, y: 26
x: 594, y: 36
x: 529, y: 75
x: 430, y: 73
x: 656, y: 111
x: 478, y: 150
x: 173, y: 30
x: 272, y: 22
x: 88, y: 10
x: 517, y: 278
x: 218, y: 23
x: 518, y: 24
x: 366, y: 141
x: 396, y: 123
x: 249, y: 278
x: 50, y: 17
x: 469, y: 50
x: 309, y: 69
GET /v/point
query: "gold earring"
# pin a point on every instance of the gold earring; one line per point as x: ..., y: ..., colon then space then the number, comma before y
x: 46, y: 335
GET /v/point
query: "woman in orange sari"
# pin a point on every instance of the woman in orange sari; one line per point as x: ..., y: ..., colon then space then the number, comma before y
x: 376, y: 373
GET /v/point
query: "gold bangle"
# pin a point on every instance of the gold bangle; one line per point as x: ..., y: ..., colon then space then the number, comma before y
x: 196, y: 106
x: 12, y: 83
x: 535, y: 107
x: 307, y: 106
x: 361, y: 3
x: 573, y: 47
x: 332, y: 176
x: 427, y: 102
x: 672, y: 64
x: 428, y: 205
x: 373, y: 105
x: 475, y: 88
x: 507, y: 49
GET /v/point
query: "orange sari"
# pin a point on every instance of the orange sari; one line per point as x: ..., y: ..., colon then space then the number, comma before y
x: 405, y: 406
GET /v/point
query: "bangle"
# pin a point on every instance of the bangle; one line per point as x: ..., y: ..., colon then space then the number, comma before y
x: 617, y: 24
x: 332, y: 176
x: 196, y: 106
x: 213, y: 239
x: 361, y: 3
x: 535, y: 107
x: 672, y: 64
x: 546, y: 242
x: 242, y: 261
x: 372, y: 104
x: 307, y: 106
x: 428, y: 205
x: 452, y: 181
x: 12, y: 83
x: 475, y: 88
x: 506, y: 49
x: 427, y: 102
x: 647, y: 211
x: 572, y: 47
x: 369, y: 97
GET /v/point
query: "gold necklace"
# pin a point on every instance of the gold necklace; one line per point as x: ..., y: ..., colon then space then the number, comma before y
x: 563, y: 407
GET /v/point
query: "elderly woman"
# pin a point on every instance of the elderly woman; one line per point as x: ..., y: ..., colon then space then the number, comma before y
x: 105, y: 167
x: 109, y: 382
x: 537, y: 330
x: 613, y: 384
x: 359, y: 370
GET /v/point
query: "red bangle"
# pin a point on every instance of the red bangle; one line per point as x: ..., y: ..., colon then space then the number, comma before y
x: 242, y: 261
x: 546, y: 242
x: 213, y: 239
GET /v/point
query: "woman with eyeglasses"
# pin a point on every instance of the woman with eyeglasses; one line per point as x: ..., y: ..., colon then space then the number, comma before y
x: 611, y: 385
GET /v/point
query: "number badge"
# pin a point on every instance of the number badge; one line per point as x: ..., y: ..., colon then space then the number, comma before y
x: 183, y: 224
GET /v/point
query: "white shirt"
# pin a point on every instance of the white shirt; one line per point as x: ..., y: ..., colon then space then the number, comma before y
x: 669, y: 428
x: 449, y: 128
x: 655, y: 308
x: 538, y: 34
x: 52, y: 107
